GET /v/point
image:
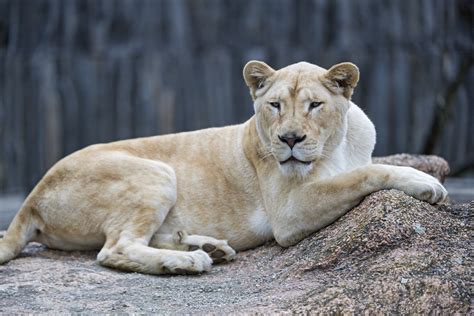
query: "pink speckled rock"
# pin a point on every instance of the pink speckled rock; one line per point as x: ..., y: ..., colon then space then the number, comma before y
x: 433, y: 165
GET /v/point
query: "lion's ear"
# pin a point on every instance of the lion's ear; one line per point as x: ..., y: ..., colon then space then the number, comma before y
x: 342, y: 78
x: 255, y: 74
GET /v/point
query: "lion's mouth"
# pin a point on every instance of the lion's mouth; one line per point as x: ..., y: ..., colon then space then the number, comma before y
x: 292, y: 158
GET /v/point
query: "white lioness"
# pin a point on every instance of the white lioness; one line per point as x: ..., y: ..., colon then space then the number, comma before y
x: 177, y: 203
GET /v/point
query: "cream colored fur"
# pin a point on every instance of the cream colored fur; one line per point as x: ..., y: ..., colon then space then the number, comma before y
x: 176, y: 203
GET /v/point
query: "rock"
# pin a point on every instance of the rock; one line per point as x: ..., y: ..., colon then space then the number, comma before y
x: 390, y: 254
x: 433, y: 165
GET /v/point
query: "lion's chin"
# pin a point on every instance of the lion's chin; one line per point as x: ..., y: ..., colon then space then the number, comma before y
x: 295, y: 160
x: 295, y: 167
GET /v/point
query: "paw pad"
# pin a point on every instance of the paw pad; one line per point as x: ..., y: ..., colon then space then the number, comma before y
x: 193, y: 247
x: 214, y: 252
x: 218, y: 254
x: 208, y: 248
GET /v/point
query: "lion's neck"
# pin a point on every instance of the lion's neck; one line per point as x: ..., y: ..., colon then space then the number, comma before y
x: 253, y: 148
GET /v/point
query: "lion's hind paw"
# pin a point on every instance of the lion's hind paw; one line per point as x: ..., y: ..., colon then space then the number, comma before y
x: 218, y: 250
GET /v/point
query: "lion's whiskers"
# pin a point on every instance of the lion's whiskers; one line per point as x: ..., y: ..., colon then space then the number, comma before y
x: 265, y: 156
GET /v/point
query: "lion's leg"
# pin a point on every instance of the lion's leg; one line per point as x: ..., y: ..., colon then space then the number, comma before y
x: 317, y: 204
x: 136, y: 216
x: 219, y: 250
x: 127, y: 240
x: 131, y: 253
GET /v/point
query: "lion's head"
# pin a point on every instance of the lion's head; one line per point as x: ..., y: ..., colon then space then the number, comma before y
x: 300, y: 110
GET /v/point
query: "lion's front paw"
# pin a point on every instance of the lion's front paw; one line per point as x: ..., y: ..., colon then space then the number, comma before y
x: 419, y: 185
x: 193, y: 262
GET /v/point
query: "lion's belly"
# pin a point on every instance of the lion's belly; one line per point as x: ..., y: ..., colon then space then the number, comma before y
x: 211, y: 206
x: 217, y: 189
x: 71, y: 242
x: 243, y: 229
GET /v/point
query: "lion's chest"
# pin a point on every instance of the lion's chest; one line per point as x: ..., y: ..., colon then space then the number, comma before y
x: 259, y: 224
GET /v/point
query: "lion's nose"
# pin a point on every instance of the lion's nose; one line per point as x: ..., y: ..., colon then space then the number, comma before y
x: 291, y: 139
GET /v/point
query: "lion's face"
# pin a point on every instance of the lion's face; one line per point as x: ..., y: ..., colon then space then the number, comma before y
x: 300, y: 110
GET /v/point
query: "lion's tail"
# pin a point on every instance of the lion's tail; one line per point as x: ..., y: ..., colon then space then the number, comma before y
x: 21, y: 231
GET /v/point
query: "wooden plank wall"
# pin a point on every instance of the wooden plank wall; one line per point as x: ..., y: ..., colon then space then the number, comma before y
x: 73, y: 73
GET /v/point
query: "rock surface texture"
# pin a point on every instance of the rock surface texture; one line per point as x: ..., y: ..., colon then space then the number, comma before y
x: 391, y: 253
x: 434, y: 165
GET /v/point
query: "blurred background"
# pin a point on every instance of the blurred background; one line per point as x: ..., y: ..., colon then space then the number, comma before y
x: 74, y: 73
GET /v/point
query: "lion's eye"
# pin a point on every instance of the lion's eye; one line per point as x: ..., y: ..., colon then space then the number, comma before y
x: 314, y: 105
x: 276, y: 105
